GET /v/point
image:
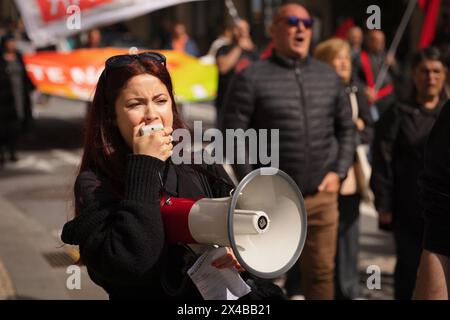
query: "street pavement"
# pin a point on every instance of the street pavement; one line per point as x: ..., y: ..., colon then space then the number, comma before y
x: 36, y: 200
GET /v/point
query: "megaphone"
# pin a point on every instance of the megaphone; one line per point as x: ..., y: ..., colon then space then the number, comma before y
x: 263, y: 221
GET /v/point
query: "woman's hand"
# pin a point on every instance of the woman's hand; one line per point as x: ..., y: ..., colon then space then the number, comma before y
x: 385, y: 218
x: 228, y: 260
x: 158, y: 144
x: 360, y: 124
x: 385, y: 221
x: 371, y: 94
x: 245, y: 43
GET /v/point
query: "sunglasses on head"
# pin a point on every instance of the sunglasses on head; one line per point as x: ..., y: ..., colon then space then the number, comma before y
x: 126, y: 59
x: 293, y: 21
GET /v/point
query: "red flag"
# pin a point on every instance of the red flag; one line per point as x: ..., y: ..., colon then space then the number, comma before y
x: 422, y: 4
x: 431, y: 10
x: 342, y: 30
x: 267, y: 52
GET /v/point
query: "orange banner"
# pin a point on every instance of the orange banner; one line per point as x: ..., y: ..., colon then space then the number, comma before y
x: 75, y: 74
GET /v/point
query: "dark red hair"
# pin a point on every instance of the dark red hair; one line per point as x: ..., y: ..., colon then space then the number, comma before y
x: 105, y: 150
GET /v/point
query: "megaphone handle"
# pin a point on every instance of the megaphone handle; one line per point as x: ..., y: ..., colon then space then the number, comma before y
x: 166, y: 284
x: 165, y: 199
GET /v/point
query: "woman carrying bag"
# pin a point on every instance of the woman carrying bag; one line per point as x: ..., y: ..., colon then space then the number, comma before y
x: 337, y: 53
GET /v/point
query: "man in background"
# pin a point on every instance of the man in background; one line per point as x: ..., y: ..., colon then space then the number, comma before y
x: 305, y: 100
x: 232, y: 59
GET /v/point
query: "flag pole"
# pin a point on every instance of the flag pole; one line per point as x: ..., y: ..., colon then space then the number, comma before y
x: 395, y: 42
x: 232, y: 11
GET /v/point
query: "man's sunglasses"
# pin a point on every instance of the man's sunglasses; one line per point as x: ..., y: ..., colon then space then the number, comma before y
x: 126, y: 59
x: 294, y: 21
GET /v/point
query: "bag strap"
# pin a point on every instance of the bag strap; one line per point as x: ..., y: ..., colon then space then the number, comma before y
x: 354, y: 105
x: 209, y: 174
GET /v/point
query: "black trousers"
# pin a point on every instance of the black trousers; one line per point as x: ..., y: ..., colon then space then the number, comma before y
x: 346, y: 270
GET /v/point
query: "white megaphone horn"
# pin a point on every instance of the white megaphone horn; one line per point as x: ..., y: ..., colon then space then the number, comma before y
x: 263, y: 221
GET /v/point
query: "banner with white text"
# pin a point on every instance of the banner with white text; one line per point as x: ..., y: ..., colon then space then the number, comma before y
x: 46, y: 21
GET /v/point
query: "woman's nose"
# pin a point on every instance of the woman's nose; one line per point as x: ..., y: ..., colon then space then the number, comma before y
x: 150, y: 113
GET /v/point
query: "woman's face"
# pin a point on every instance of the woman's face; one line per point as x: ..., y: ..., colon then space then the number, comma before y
x: 342, y: 64
x: 144, y: 99
x: 429, y: 77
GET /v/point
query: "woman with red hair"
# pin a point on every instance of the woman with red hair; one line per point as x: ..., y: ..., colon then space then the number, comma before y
x: 117, y: 223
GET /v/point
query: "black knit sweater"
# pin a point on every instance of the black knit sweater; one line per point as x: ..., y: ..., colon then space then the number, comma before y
x: 122, y: 241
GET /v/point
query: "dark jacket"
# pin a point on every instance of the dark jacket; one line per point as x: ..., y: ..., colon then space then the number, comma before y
x: 366, y: 135
x: 6, y: 93
x: 305, y: 100
x: 8, y: 112
x: 246, y: 57
x: 122, y: 239
x: 435, y: 186
x: 398, y: 155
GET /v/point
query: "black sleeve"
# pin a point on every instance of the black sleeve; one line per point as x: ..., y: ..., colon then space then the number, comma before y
x: 366, y: 136
x: 223, y: 50
x: 358, y: 71
x: 381, y: 180
x: 239, y: 111
x: 345, y: 131
x: 29, y: 86
x: 120, y: 240
x: 435, y: 186
x: 5, y: 87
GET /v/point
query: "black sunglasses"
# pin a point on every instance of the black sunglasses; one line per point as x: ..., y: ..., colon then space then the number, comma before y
x: 125, y: 59
x: 293, y: 21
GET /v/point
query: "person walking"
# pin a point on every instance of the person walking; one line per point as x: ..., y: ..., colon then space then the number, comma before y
x: 433, y: 277
x: 337, y: 53
x: 15, y: 102
x: 398, y: 159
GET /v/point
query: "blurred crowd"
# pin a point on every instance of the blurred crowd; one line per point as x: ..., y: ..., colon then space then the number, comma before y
x: 363, y: 141
x: 346, y: 136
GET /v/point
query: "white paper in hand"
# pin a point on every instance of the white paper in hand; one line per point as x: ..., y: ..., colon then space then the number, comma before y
x: 217, y: 284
